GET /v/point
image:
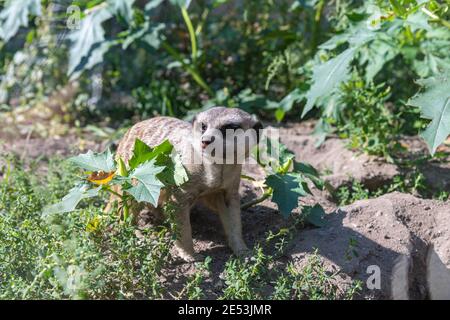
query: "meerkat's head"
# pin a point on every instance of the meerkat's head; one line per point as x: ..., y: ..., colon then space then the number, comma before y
x: 226, y: 133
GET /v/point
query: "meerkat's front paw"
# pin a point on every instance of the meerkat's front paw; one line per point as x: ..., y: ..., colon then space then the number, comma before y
x: 188, y: 256
x: 241, y: 250
x: 191, y: 257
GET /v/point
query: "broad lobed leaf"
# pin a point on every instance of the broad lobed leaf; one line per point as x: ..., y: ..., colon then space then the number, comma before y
x: 15, y: 15
x: 314, y: 215
x: 95, y: 161
x: 434, y: 103
x: 149, y: 186
x: 327, y: 77
x: 71, y: 200
x: 287, y: 188
x: 89, y: 34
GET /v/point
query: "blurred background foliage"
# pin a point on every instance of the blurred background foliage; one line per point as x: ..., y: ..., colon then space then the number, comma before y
x: 353, y: 65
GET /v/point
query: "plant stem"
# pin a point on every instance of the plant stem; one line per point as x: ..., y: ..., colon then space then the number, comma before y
x: 244, y: 176
x: 253, y: 202
x: 203, y: 17
x: 287, y: 71
x: 191, y: 70
x: 126, y: 212
x: 113, y: 192
x: 435, y: 17
x: 316, y: 26
x: 190, y: 27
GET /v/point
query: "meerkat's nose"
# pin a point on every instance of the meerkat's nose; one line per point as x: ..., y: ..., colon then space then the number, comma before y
x: 207, y: 141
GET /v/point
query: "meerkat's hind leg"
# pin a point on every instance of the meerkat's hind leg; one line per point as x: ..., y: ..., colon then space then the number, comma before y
x: 153, y: 215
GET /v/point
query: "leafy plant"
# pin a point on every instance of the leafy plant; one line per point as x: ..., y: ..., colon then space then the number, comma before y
x: 286, y: 181
x: 367, y: 39
x: 261, y: 278
x: 245, y: 279
x: 366, y: 119
x: 149, y: 170
x: 412, y: 182
x: 84, y: 254
x: 192, y: 289
x: 313, y: 282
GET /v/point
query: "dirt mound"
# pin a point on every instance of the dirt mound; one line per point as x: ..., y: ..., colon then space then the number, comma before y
x: 338, y: 164
x: 405, y: 238
x: 436, y: 170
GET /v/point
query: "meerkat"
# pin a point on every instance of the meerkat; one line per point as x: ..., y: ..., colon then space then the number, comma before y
x: 210, y: 180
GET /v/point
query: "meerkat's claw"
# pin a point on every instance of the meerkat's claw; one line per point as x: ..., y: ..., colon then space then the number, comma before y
x: 192, y: 257
x: 243, y: 252
x: 189, y: 256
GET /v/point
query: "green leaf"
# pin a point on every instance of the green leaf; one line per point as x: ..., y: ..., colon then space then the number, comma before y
x: 95, y: 161
x: 321, y: 131
x: 309, y: 172
x: 276, y: 156
x: 153, y: 38
x: 122, y: 168
x: 174, y: 172
x: 418, y: 20
x: 314, y: 215
x: 164, y: 155
x: 398, y: 8
x: 287, y: 188
x: 142, y: 153
x: 148, y: 33
x: 15, y: 14
x: 327, y: 77
x: 181, y: 3
x: 148, y: 187
x: 152, y: 4
x: 430, y: 65
x: 375, y: 56
x: 94, y: 57
x: 279, y: 114
x: 179, y: 173
x: 335, y: 41
x: 123, y: 8
x: 356, y: 35
x: 84, y: 39
x: 434, y: 102
x: 306, y: 169
x: 288, y: 101
x: 71, y: 200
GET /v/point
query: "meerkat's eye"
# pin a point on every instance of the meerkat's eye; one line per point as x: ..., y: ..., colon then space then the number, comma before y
x: 230, y: 126
x: 204, y: 127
